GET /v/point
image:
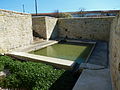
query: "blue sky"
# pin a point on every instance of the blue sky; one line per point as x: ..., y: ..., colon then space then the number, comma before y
x: 46, y: 6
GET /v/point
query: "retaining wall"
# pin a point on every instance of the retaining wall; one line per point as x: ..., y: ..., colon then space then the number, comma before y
x: 85, y: 28
x: 15, y: 30
x: 76, y: 28
x: 39, y: 26
x: 114, y: 56
x: 45, y: 27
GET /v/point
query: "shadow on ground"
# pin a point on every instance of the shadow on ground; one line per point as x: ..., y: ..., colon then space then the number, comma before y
x: 65, y: 82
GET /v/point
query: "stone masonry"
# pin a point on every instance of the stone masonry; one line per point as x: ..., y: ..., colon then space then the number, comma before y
x: 15, y: 30
x: 114, y: 56
x: 39, y: 26
x: 45, y: 27
x: 51, y: 27
x: 76, y: 28
x: 99, y: 28
x: 85, y: 28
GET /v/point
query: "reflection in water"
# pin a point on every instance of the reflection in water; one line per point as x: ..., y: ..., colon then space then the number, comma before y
x: 66, y: 51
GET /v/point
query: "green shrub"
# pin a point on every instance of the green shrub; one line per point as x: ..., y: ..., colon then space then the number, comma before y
x: 29, y: 75
x: 1, y: 67
x: 35, y: 76
x: 58, y: 14
x: 64, y: 15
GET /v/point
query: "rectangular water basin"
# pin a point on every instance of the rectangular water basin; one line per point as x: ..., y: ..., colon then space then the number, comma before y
x: 74, y: 51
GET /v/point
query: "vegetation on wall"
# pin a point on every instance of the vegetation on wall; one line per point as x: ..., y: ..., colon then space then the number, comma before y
x: 65, y: 15
x: 62, y: 15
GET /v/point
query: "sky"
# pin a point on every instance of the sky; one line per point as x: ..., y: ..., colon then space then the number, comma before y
x: 48, y: 6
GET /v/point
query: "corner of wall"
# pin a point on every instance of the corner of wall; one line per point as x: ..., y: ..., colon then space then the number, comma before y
x: 114, y: 56
x: 51, y: 27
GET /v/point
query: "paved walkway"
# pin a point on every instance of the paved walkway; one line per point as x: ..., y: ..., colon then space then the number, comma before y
x: 94, y: 80
x: 100, y: 54
x: 96, y: 73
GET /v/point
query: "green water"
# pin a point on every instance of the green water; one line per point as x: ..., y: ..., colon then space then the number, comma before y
x: 72, y: 52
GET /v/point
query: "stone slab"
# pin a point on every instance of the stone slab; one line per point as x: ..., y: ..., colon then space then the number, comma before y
x: 90, y: 66
x: 94, y: 80
x: 99, y: 55
x: 60, y: 63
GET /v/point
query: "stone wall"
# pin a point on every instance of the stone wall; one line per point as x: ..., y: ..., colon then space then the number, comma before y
x: 39, y: 27
x: 15, y: 30
x: 85, y: 28
x: 51, y: 27
x: 45, y: 27
x: 114, y: 56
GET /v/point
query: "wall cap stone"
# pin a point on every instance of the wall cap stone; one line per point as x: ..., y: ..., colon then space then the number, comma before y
x: 42, y: 17
x: 89, y: 17
x: 14, y: 12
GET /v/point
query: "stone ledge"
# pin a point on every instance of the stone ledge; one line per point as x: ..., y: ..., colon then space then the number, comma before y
x: 35, y: 46
x: 90, y: 66
x: 60, y: 63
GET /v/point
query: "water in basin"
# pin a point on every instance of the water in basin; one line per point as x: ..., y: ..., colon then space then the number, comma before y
x: 69, y: 51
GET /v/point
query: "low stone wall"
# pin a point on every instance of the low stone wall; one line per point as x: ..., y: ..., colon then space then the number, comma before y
x: 45, y: 27
x: 114, y: 56
x: 85, y: 28
x: 15, y: 30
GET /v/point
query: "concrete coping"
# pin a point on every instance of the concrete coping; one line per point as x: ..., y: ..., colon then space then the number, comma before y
x: 60, y: 63
x: 85, y: 42
x: 43, y: 17
x: 20, y: 54
x: 90, y: 52
x: 89, y: 17
x: 76, y: 17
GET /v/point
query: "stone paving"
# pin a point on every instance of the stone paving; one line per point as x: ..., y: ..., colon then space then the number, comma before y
x: 96, y: 73
x: 94, y: 80
x: 100, y: 54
